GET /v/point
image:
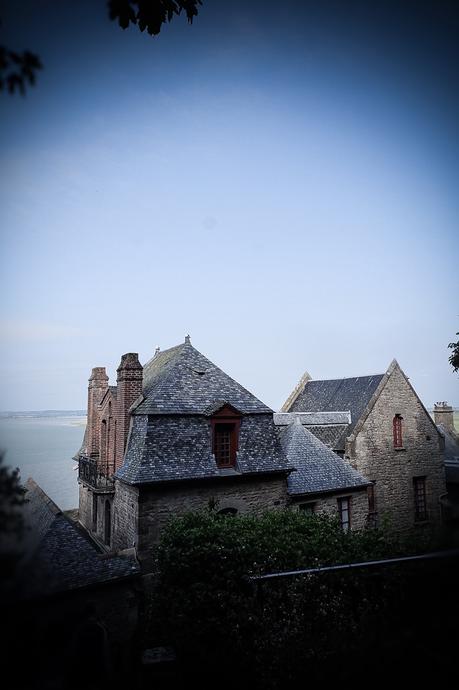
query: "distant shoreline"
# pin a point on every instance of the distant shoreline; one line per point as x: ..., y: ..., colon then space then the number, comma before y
x: 42, y: 413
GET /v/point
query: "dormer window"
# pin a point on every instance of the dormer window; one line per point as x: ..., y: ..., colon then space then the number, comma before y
x: 225, y: 435
x: 397, y: 431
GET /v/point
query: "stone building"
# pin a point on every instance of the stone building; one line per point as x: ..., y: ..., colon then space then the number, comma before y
x: 388, y: 437
x: 444, y: 419
x: 179, y: 434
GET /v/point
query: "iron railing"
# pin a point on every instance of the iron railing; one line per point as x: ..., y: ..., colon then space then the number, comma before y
x: 89, y: 472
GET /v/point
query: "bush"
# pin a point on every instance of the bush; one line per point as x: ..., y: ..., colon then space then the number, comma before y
x: 217, y: 618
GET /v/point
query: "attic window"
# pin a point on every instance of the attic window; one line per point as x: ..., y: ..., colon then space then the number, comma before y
x: 397, y: 431
x: 225, y: 436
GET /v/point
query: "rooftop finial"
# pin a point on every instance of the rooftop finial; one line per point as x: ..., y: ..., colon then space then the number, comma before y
x: 187, y: 339
x: 157, y: 350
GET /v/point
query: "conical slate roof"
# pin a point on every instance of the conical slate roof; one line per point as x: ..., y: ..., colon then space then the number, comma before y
x: 182, y: 381
x: 318, y: 468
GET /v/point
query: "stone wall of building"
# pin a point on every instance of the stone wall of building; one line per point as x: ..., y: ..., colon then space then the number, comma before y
x: 93, y: 514
x: 373, y: 454
x: 158, y: 505
x: 125, y: 520
x: 85, y: 506
x: 328, y: 504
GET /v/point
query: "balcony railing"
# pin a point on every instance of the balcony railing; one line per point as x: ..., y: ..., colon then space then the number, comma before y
x: 89, y: 472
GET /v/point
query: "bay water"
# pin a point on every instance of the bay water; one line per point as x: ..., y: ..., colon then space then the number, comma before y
x: 41, y: 445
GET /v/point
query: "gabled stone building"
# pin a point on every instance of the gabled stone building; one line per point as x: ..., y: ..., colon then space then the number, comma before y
x: 389, y: 437
x: 179, y: 434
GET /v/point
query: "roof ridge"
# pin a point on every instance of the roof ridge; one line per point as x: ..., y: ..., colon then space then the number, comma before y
x: 228, y: 376
x: 346, y: 378
x: 159, y: 353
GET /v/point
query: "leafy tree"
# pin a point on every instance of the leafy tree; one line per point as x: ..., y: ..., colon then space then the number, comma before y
x: 12, y: 498
x: 454, y: 357
x: 151, y: 14
x: 17, y: 70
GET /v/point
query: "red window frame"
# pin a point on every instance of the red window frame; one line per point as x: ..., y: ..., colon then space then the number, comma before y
x: 225, y: 432
x: 397, y: 431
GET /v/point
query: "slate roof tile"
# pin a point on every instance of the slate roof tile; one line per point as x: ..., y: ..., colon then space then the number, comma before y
x: 182, y: 381
x: 178, y: 447
x: 58, y: 557
x: 318, y: 469
x: 353, y: 394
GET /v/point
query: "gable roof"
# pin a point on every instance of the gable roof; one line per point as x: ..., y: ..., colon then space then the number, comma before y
x: 318, y: 469
x: 182, y: 381
x: 352, y: 394
x: 58, y: 557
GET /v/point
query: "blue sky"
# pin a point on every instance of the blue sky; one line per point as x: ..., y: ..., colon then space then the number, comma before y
x: 282, y: 186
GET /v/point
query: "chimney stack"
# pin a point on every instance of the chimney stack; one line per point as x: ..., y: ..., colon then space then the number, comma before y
x: 443, y: 414
x: 98, y: 384
x: 129, y: 388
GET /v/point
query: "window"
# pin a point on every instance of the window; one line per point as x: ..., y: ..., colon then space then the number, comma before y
x: 94, y: 512
x: 372, y: 514
x: 371, y: 498
x: 225, y: 429
x: 108, y: 523
x: 397, y: 429
x: 344, y: 508
x: 307, y: 508
x: 222, y: 444
x: 420, y: 502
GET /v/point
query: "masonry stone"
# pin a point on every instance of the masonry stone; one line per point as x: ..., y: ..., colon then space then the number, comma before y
x: 371, y: 451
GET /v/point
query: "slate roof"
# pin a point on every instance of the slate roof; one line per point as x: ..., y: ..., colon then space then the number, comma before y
x: 318, y: 469
x: 179, y: 447
x: 351, y: 394
x: 331, y: 435
x: 313, y: 418
x: 182, y: 381
x: 58, y: 557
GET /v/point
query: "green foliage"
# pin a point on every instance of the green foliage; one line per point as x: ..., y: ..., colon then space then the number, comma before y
x: 151, y: 14
x: 12, y: 498
x: 454, y: 357
x: 17, y: 69
x: 205, y: 604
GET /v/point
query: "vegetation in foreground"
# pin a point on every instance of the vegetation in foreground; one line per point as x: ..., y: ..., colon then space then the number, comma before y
x: 270, y: 633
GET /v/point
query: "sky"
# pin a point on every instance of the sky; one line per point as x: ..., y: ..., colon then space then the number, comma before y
x: 279, y: 180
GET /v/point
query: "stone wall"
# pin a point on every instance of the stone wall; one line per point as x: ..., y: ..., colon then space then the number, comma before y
x: 157, y: 505
x: 125, y: 523
x: 85, y: 507
x: 92, y: 505
x: 372, y: 453
x: 328, y: 504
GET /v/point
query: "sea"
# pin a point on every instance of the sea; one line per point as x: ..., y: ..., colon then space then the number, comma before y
x: 42, y: 444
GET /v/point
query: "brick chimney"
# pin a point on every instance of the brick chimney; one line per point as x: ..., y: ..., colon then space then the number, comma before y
x: 443, y: 414
x: 98, y: 384
x: 129, y: 387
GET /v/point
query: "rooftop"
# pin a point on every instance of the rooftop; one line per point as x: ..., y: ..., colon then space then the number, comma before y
x: 181, y: 380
